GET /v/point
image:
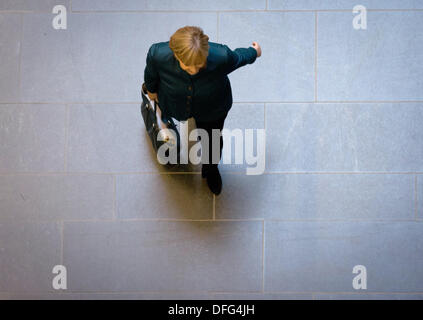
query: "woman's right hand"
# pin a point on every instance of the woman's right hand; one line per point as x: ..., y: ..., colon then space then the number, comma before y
x: 152, y: 96
x: 257, y: 47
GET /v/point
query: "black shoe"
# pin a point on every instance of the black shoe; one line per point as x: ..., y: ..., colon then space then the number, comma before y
x: 214, y: 180
x: 204, y: 170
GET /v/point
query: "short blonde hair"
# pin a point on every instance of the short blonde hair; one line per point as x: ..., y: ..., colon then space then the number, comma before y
x: 190, y: 45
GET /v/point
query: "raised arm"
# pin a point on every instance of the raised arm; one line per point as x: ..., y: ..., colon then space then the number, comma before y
x: 239, y: 57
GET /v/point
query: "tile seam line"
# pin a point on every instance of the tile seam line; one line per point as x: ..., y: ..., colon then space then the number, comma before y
x: 213, y: 292
x: 235, y: 102
x: 350, y: 292
x: 260, y: 219
x: 214, y: 207
x: 315, y: 55
x: 206, y: 11
x: 129, y: 292
x: 16, y: 11
x: 154, y: 220
x: 21, y: 38
x: 124, y: 292
x: 221, y: 10
x: 62, y: 241
x: 217, y: 26
x: 115, y: 215
x: 416, y: 199
x: 263, y: 256
x: 66, y: 146
x: 93, y: 173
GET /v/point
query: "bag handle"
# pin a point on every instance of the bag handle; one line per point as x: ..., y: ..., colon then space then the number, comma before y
x: 148, y: 100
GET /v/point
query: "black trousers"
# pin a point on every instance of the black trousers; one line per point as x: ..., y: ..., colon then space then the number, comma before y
x: 208, y: 126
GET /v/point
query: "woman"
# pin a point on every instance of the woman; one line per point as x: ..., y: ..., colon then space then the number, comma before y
x: 188, y: 76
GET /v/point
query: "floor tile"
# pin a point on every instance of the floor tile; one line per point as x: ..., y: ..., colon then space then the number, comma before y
x: 152, y: 196
x: 56, y: 197
x: 241, y: 117
x: 168, y: 5
x: 317, y: 196
x: 10, y: 46
x: 32, y: 138
x: 113, y: 138
x: 320, y: 256
x: 164, y: 256
x: 104, y: 296
x: 344, y: 137
x: 33, y: 5
x: 373, y: 296
x: 285, y: 71
x: 380, y: 63
x: 342, y: 4
x: 99, y: 57
x: 107, y: 138
x: 263, y: 296
x: 28, y: 253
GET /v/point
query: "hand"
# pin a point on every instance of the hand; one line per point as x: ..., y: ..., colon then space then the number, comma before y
x: 152, y: 96
x: 258, y: 48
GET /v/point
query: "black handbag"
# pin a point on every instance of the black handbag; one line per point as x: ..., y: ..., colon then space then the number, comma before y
x: 149, y: 115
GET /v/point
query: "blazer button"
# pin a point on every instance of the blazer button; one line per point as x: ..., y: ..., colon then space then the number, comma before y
x: 189, y: 88
x: 189, y: 97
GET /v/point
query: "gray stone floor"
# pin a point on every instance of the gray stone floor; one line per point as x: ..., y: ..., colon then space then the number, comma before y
x: 343, y: 185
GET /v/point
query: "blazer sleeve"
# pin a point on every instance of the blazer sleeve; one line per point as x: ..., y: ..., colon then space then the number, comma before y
x: 239, y: 57
x: 151, y: 76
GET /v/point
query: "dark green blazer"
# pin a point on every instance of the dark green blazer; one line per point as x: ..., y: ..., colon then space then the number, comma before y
x: 207, y: 95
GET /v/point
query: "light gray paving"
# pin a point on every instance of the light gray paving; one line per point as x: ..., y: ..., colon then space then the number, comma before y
x: 99, y: 57
x: 342, y: 4
x: 32, y: 5
x: 344, y: 137
x: 317, y: 196
x: 105, y: 296
x: 369, y: 296
x: 10, y: 48
x: 320, y: 256
x: 285, y: 71
x: 419, y: 197
x: 241, y: 118
x: 382, y: 62
x: 149, y: 196
x: 28, y: 253
x: 164, y: 256
x: 56, y: 197
x: 32, y: 138
x: 109, y: 138
x: 168, y: 5
x: 112, y: 138
x: 263, y: 296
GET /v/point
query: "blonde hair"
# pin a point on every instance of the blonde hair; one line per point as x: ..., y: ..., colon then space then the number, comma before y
x: 190, y: 45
